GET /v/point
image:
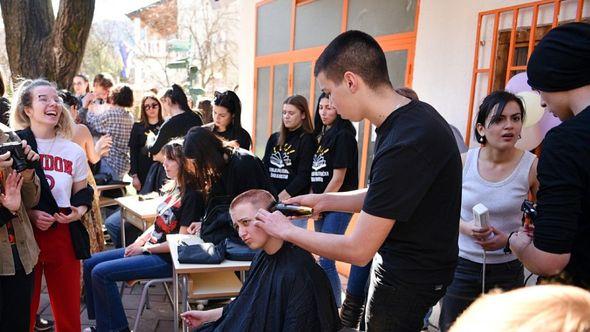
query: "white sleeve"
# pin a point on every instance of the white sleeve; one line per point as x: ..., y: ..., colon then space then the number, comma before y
x: 80, y: 171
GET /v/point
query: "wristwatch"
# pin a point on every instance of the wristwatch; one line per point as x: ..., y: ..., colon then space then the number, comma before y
x: 507, y: 249
x: 145, y: 251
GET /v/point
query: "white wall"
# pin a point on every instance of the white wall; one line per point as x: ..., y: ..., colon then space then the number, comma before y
x: 246, y: 42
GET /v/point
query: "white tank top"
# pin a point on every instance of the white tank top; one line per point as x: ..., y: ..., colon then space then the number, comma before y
x: 503, y: 199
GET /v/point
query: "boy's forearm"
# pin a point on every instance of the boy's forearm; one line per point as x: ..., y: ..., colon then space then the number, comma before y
x: 350, y: 201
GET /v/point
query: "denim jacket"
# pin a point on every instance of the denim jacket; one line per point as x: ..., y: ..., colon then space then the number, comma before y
x: 23, y: 231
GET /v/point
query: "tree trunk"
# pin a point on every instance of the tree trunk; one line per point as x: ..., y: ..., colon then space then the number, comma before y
x: 40, y: 45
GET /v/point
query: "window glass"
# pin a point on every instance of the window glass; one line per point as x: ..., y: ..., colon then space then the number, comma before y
x: 280, y: 93
x: 381, y: 17
x: 273, y: 27
x: 317, y: 23
x: 262, y: 108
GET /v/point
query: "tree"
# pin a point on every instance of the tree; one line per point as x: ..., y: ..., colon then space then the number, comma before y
x: 212, y: 33
x: 39, y: 44
x: 102, y: 53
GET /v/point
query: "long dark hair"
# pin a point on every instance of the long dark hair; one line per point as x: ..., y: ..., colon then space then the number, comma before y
x: 207, y: 153
x: 231, y: 101
x: 143, y: 118
x: 339, y: 123
x: 495, y: 102
x: 178, y: 97
x: 301, y: 104
x: 186, y: 175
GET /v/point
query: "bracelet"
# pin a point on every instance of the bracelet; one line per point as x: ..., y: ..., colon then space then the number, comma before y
x: 507, y: 249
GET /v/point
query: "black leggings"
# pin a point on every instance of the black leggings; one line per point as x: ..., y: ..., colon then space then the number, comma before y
x: 15, y: 301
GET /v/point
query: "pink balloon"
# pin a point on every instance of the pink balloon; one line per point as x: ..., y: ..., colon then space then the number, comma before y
x: 518, y: 83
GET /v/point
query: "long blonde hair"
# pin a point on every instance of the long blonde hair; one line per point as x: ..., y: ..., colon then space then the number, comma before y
x: 22, y: 98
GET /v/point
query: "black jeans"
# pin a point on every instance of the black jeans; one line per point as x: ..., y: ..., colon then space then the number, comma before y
x: 398, y: 306
x: 15, y: 301
x: 466, y: 286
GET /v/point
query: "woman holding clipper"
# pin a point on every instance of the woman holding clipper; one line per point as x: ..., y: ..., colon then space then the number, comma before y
x: 499, y: 176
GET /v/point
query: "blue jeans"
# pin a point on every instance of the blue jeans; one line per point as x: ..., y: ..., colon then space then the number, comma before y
x: 357, y: 280
x: 466, y: 286
x: 332, y: 223
x: 107, y: 169
x: 301, y: 223
x: 113, y: 226
x: 103, y: 270
x: 394, y: 305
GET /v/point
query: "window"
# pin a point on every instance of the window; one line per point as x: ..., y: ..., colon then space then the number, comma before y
x: 273, y: 27
x: 384, y: 17
x: 505, y: 40
x: 317, y: 23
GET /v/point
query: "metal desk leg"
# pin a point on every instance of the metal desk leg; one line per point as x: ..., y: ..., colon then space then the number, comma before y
x: 175, y: 304
x: 242, y: 276
x: 123, y: 227
x: 184, y: 299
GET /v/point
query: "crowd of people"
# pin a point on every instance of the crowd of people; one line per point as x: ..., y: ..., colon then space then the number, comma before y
x: 415, y: 242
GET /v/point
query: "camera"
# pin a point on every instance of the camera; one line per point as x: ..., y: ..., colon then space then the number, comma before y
x: 529, y: 212
x: 10, y: 142
x: 17, y: 153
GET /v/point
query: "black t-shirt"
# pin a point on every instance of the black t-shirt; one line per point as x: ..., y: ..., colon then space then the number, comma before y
x: 240, y: 135
x: 415, y: 179
x: 175, y: 212
x: 176, y: 126
x: 141, y: 160
x: 289, y: 165
x: 563, y: 220
x: 336, y: 150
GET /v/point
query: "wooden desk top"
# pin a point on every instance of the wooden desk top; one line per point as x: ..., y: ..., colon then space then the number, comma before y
x: 146, y: 209
x: 104, y: 187
x: 226, y: 265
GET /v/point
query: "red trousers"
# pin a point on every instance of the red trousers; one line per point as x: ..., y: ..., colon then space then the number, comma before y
x: 62, y: 274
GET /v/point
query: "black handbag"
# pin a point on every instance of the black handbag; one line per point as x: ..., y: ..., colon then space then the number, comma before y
x: 202, y: 253
x: 238, y: 251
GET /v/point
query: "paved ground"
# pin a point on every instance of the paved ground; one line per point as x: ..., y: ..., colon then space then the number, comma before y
x: 156, y: 319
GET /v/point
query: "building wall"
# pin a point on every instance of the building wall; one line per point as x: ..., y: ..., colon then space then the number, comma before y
x: 445, y: 46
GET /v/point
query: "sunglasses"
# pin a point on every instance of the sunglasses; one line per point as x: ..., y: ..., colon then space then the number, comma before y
x: 148, y: 106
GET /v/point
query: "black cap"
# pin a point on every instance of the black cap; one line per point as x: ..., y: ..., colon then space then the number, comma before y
x: 561, y: 60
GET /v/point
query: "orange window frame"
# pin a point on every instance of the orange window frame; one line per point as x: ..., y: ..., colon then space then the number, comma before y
x: 393, y: 42
x: 490, y: 69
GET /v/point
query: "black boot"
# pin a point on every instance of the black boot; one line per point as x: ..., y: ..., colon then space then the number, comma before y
x: 351, y: 311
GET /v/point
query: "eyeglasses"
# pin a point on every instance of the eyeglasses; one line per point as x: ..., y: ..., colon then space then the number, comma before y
x: 148, y: 106
x: 46, y: 100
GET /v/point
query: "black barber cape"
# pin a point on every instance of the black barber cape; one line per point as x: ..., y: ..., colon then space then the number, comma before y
x: 286, y: 291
